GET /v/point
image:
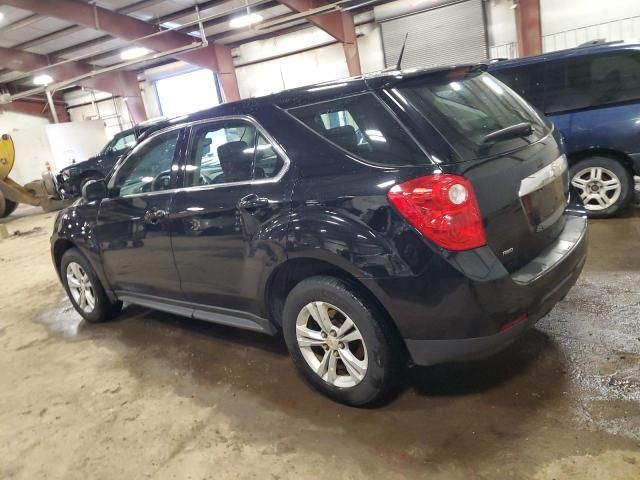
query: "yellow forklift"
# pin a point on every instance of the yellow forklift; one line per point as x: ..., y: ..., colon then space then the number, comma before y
x: 40, y: 193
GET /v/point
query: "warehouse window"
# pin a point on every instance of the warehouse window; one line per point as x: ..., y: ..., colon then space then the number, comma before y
x: 186, y: 93
x: 364, y: 127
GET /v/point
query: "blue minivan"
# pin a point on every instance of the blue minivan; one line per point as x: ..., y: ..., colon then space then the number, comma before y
x: 592, y: 95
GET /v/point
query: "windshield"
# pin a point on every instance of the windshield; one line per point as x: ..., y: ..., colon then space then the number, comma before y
x: 468, y: 111
x: 121, y: 142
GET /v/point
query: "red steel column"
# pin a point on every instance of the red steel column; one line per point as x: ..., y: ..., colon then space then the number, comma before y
x: 528, y: 27
x: 227, y: 74
x: 350, y: 45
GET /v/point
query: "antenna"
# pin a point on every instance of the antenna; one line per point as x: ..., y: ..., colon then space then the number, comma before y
x: 399, y: 64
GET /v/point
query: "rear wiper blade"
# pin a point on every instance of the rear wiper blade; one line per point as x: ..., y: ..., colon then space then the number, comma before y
x: 523, y: 129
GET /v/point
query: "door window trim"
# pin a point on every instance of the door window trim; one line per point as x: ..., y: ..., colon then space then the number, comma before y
x: 187, y: 126
x: 385, y: 106
x: 260, y: 130
x: 124, y: 161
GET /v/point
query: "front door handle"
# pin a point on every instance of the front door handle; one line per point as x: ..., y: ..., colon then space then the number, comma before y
x: 252, y: 202
x: 155, y: 215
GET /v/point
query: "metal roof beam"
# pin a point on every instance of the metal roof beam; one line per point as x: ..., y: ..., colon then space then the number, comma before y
x: 123, y: 83
x: 213, y: 57
x: 338, y: 24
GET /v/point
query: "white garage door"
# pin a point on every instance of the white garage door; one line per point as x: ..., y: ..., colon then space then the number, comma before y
x: 449, y: 34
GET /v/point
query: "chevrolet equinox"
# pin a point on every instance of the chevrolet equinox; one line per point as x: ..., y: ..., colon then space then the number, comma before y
x: 398, y: 218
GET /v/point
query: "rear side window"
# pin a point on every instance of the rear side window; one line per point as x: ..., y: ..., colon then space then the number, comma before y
x: 468, y: 109
x: 591, y: 81
x: 364, y: 127
x: 230, y: 151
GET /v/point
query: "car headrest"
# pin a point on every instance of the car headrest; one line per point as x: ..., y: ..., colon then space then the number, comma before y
x: 232, y: 150
x: 236, y: 159
x: 344, y: 136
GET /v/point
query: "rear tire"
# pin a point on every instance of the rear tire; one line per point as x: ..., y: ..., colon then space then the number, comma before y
x: 352, y: 355
x: 85, y: 290
x: 604, y: 184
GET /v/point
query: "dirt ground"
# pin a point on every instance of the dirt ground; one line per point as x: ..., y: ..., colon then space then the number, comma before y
x: 155, y: 395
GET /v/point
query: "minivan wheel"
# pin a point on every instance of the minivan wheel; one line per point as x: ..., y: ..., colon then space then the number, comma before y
x: 604, y: 184
x: 340, y: 343
x: 85, y: 290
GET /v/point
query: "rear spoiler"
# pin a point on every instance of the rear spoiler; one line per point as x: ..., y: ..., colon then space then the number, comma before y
x: 452, y: 73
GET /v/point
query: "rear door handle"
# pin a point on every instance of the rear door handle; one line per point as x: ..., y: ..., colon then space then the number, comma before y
x: 155, y: 215
x: 252, y: 202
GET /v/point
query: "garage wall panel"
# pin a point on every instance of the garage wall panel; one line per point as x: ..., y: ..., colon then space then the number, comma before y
x: 567, y: 24
x: 317, y: 65
x: 449, y: 34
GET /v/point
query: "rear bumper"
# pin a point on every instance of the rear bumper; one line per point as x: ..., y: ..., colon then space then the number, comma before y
x: 479, y: 308
x: 431, y: 352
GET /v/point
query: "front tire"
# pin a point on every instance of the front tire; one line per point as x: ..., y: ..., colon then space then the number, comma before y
x: 85, y: 290
x: 605, y: 185
x: 340, y: 342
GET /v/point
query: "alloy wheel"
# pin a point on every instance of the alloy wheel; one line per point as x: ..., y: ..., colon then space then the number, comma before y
x: 599, y: 187
x: 331, y: 344
x: 80, y: 287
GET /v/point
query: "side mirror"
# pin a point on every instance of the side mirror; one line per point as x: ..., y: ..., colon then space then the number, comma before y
x: 95, y: 190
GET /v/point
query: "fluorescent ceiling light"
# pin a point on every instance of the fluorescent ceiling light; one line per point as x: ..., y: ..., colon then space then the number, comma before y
x: 245, y: 20
x: 170, y: 25
x: 1, y: 16
x: 134, y: 52
x: 42, y: 79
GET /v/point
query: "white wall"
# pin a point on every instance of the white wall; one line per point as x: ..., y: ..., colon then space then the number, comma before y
x: 324, y: 61
x: 75, y: 141
x: 31, y: 144
x: 370, y: 47
x: 501, y: 20
x: 558, y: 16
x: 568, y: 24
x: 113, y: 111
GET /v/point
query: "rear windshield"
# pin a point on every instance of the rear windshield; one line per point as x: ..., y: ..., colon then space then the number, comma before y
x: 466, y: 109
x: 363, y: 126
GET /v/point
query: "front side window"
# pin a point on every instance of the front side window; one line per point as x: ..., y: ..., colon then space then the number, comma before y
x: 147, y: 169
x: 230, y: 151
x: 364, y: 127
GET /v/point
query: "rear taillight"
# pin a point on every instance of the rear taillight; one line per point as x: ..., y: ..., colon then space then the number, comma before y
x: 443, y: 208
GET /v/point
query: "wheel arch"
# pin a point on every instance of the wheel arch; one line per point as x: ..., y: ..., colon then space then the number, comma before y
x: 62, y: 245
x: 623, y: 158
x: 292, y: 271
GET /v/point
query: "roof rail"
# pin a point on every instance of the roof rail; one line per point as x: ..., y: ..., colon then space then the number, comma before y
x: 599, y: 41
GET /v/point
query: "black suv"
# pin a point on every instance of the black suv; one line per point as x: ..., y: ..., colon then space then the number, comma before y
x: 405, y: 217
x: 71, y: 179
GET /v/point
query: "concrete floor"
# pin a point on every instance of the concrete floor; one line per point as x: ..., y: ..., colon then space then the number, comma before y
x: 154, y: 395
